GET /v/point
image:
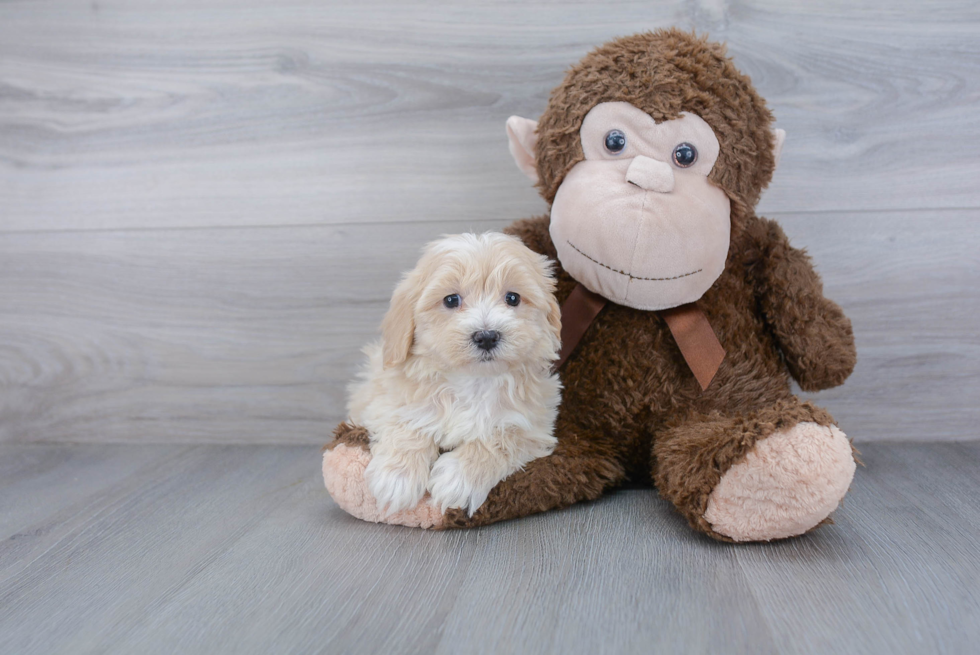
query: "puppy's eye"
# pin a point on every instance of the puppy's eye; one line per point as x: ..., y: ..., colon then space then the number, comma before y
x: 685, y: 155
x: 615, y: 141
x: 451, y: 301
x: 512, y: 299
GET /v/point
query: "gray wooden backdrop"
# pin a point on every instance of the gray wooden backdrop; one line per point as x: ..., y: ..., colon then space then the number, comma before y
x: 204, y: 204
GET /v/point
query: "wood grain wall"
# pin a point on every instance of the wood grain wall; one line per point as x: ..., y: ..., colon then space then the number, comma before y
x: 204, y: 204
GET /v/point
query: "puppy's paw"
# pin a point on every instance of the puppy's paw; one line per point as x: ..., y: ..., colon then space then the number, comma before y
x: 397, y: 483
x: 452, y: 485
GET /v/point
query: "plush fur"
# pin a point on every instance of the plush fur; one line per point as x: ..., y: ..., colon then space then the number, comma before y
x: 430, y: 389
x: 664, y: 73
x: 745, y: 459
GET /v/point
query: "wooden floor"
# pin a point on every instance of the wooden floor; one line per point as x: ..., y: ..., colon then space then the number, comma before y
x: 238, y: 549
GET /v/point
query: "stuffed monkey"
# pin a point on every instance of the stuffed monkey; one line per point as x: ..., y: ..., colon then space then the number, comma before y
x: 684, y: 314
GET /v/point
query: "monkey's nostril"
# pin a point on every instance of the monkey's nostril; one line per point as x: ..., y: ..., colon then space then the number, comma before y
x: 486, y: 339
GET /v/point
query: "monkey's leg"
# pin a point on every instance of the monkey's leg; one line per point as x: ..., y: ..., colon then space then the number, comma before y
x: 344, y: 461
x: 770, y: 474
x: 582, y: 466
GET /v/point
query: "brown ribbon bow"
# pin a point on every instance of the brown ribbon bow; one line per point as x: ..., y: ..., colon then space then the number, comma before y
x: 697, y: 341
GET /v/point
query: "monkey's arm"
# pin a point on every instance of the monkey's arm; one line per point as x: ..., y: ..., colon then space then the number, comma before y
x: 814, y: 334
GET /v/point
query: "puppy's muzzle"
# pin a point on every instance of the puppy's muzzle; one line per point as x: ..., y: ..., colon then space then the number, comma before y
x: 486, y: 339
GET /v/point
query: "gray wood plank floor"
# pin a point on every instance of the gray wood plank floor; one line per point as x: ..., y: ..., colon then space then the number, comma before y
x: 238, y: 549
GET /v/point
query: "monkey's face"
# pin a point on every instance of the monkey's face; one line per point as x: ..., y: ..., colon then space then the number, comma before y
x: 637, y: 221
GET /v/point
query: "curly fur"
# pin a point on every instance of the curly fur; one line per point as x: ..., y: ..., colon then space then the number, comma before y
x: 428, y: 387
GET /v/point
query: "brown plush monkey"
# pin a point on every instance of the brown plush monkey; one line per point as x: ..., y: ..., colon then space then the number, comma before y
x: 652, y: 153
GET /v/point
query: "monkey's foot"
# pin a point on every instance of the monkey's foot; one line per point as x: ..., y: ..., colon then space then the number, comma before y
x: 787, y: 484
x: 343, y: 474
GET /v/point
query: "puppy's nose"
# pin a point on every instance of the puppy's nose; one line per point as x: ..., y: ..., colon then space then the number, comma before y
x: 650, y: 174
x: 486, y: 339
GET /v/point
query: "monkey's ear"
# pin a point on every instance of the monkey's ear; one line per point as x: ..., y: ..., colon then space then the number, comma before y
x: 779, y: 136
x: 521, y: 139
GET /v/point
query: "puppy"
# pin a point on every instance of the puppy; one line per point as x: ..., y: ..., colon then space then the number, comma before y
x: 459, y: 393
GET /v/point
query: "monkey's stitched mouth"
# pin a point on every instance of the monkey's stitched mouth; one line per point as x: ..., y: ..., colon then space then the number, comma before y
x: 630, y: 275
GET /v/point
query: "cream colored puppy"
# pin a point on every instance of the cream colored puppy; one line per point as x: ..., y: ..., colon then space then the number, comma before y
x: 463, y: 369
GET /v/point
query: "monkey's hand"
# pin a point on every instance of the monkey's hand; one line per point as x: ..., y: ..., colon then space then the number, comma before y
x: 814, y: 334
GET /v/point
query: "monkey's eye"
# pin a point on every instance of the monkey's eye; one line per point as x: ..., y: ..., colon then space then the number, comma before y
x: 685, y: 155
x: 512, y: 299
x: 615, y: 141
x: 451, y: 301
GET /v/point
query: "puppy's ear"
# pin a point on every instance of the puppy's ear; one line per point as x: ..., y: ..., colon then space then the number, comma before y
x: 398, y: 326
x: 554, y: 319
x: 546, y: 273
